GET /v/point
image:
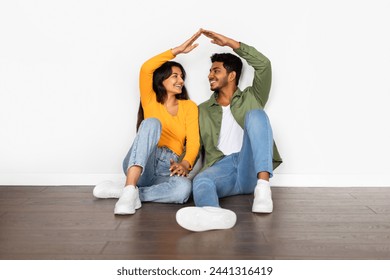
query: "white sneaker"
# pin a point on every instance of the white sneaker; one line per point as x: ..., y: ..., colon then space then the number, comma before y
x: 262, y: 202
x: 205, y: 218
x: 128, y: 202
x: 108, y: 189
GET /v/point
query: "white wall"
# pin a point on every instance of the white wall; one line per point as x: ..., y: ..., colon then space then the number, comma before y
x: 69, y: 83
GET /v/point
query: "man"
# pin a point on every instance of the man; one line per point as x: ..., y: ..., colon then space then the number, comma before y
x: 239, y: 152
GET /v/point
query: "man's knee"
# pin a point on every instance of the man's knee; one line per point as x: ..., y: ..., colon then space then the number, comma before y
x: 201, y: 181
x: 255, y: 114
x: 257, y: 117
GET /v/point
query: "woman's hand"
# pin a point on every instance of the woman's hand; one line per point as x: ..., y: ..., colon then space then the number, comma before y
x: 188, y: 45
x: 179, y: 168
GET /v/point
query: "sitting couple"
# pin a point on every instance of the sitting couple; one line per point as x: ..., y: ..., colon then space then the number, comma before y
x: 231, y: 129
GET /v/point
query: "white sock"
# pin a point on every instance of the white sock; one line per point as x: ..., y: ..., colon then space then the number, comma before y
x: 263, y: 183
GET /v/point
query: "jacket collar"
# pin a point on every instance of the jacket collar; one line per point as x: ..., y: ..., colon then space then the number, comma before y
x: 213, y: 98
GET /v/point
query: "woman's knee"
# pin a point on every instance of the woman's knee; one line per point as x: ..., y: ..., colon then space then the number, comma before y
x: 182, y: 190
x: 151, y: 123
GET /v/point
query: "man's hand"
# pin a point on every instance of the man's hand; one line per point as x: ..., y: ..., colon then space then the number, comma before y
x: 220, y: 40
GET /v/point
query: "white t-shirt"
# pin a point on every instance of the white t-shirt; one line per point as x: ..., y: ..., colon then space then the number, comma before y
x: 231, y: 134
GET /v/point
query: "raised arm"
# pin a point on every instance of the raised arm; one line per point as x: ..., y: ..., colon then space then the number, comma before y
x: 148, y: 68
x: 261, y: 84
x: 263, y: 73
x: 146, y: 75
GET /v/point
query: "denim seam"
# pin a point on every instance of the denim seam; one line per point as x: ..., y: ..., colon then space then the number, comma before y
x: 268, y: 140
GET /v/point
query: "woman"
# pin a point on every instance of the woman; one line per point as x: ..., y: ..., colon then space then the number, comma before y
x: 170, y: 128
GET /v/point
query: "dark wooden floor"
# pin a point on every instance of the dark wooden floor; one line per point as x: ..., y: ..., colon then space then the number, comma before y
x: 307, y: 223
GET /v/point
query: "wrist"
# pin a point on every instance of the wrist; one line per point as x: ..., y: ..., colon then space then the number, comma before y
x: 234, y: 44
x: 186, y: 164
x: 175, y: 51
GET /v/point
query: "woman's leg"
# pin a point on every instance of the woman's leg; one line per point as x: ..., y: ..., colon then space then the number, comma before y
x: 174, y: 189
x: 135, y: 163
x: 158, y: 186
x: 144, y: 145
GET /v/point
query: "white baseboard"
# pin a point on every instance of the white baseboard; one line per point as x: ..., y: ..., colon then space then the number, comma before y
x: 281, y: 180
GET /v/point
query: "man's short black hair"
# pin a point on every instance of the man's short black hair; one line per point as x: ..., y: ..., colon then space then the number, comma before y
x: 231, y: 63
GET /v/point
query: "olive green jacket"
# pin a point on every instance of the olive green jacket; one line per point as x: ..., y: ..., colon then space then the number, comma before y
x: 253, y: 97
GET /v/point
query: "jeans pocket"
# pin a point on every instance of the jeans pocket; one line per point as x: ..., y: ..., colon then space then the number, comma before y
x: 163, y: 163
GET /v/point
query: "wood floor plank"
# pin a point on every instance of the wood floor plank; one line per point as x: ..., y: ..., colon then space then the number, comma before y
x: 325, y: 251
x: 378, y: 238
x: 45, y: 192
x: 380, y: 209
x: 62, y: 204
x: 12, y: 202
x: 85, y: 235
x: 328, y: 227
x: 311, y: 196
x: 319, y: 203
x: 350, y: 209
x: 369, y: 194
x: 20, y: 192
x: 373, y: 202
x: 43, y: 248
x: 53, y: 220
x: 321, y: 217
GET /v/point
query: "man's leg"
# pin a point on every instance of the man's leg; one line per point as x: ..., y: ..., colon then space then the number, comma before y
x: 215, y: 182
x: 208, y: 186
x: 255, y: 160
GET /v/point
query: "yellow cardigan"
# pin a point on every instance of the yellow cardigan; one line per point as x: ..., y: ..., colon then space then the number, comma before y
x: 176, y: 130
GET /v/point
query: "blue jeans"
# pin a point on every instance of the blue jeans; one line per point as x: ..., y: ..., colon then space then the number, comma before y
x: 155, y: 183
x: 237, y: 173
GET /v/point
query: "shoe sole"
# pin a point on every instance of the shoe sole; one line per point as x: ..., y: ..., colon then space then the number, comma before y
x: 205, y: 218
x: 262, y: 210
x: 126, y: 211
x: 123, y: 212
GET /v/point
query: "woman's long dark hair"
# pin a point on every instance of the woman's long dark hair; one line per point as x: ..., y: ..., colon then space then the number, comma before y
x: 159, y: 76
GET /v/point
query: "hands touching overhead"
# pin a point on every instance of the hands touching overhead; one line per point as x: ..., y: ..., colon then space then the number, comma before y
x: 220, y: 40
x: 216, y: 38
